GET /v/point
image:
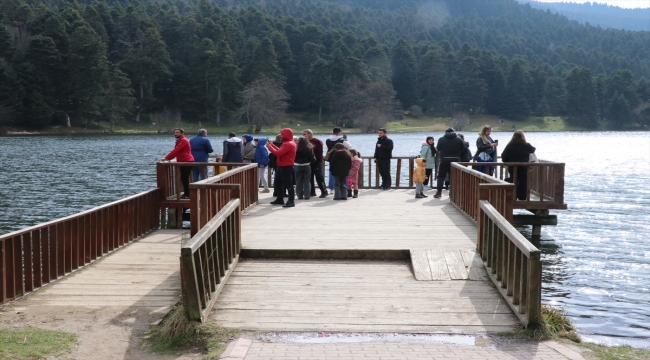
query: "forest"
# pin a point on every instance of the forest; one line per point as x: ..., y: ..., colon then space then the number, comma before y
x: 360, y: 62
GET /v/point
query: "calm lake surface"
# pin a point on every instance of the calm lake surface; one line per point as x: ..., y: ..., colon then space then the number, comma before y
x: 596, y: 262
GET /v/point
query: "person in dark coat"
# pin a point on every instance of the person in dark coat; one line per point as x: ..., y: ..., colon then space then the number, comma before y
x: 334, y: 139
x: 201, y: 148
x: 450, y: 148
x: 302, y: 168
x: 383, y: 154
x: 232, y: 149
x: 340, y: 165
x: 467, y: 154
x: 316, y: 166
x: 518, y: 150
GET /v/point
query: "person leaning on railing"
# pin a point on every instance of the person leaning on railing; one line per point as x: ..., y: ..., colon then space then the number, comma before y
x: 518, y: 150
x: 183, y: 153
x: 450, y: 148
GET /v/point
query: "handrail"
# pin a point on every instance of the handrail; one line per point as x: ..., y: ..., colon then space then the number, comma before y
x: 207, y: 260
x: 33, y: 257
x: 513, y: 263
x: 168, y: 176
x: 466, y: 185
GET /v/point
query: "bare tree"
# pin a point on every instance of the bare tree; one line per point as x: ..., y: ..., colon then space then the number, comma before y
x: 264, y: 101
x: 367, y: 106
x: 460, y: 120
x: 166, y: 121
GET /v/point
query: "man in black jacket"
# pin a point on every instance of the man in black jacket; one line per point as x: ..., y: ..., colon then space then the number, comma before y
x: 450, y: 148
x: 383, y: 154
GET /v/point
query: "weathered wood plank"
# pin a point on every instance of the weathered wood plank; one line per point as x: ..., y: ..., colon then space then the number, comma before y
x: 455, y: 264
x: 438, y: 265
x: 420, y: 264
x: 476, y: 269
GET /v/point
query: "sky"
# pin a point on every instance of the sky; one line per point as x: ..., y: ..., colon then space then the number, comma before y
x: 629, y: 4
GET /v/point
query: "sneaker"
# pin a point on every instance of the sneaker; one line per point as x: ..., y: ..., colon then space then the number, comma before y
x: 418, y: 196
x: 289, y: 204
x: 265, y: 191
x: 424, y: 196
x: 277, y: 202
x: 437, y: 195
x: 185, y: 197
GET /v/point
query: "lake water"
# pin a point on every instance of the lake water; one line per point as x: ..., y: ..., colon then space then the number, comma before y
x: 596, y: 261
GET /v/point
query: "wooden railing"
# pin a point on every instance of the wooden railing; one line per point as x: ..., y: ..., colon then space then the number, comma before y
x: 545, y: 183
x: 35, y: 256
x: 168, y: 175
x: 466, y: 186
x: 208, y: 259
x: 512, y: 262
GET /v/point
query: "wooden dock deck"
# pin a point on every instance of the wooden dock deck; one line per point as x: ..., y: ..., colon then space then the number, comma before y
x: 424, y: 238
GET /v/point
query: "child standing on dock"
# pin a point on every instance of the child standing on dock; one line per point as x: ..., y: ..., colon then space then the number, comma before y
x: 353, y: 175
x: 419, y: 177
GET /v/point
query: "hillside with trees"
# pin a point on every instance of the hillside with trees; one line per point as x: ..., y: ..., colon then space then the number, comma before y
x: 596, y: 14
x: 361, y: 62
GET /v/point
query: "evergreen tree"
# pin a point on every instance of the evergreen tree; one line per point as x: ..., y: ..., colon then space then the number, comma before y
x: 620, y: 113
x: 403, y: 67
x: 117, y: 97
x: 517, y: 84
x: 468, y: 88
x: 319, y: 85
x: 432, y: 81
x: 581, y: 97
x: 555, y: 94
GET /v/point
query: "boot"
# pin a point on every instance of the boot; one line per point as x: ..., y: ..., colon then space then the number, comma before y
x: 349, y: 193
x: 356, y: 194
x: 437, y: 195
x: 418, y: 196
x: 323, y: 193
x: 422, y: 195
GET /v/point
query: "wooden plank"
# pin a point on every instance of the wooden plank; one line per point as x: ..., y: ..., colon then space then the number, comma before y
x: 438, y: 265
x: 455, y: 265
x: 420, y: 264
x: 476, y: 270
x: 320, y: 327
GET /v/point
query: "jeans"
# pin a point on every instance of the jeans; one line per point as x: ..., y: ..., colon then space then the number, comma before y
x: 419, y: 188
x: 261, y: 177
x: 331, y: 181
x: 284, y: 180
x: 340, y: 187
x: 185, y: 179
x: 316, y: 173
x: 303, y: 186
x: 384, y: 172
x: 197, y: 173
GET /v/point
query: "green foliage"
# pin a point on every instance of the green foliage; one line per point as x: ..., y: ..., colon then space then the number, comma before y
x: 33, y: 343
x: 175, y: 334
x: 196, y: 58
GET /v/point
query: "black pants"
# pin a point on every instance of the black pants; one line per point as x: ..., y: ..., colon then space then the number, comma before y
x: 384, y: 172
x: 443, y: 170
x: 186, y: 171
x: 522, y: 181
x: 284, y: 179
x: 426, y: 181
x: 317, y: 174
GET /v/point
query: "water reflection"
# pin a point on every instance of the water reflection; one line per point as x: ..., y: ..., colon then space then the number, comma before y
x: 596, y: 262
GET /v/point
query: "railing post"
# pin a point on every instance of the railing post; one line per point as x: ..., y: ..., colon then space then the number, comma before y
x: 534, y: 288
x: 189, y: 286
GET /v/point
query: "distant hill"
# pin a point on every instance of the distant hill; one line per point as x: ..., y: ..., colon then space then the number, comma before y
x: 603, y: 15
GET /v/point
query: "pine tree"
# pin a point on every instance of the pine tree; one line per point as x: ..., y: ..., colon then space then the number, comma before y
x: 432, y: 81
x: 581, y: 97
x: 117, y: 97
x: 319, y: 85
x: 517, y: 84
x: 403, y: 67
x: 468, y: 88
x: 620, y: 113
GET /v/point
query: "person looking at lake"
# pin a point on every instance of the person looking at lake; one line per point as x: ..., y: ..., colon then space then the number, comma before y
x: 383, y: 154
x: 302, y: 167
x: 232, y: 149
x: 518, y: 150
x: 248, y: 149
x: 182, y: 152
x: 450, y: 148
x: 419, y: 177
x: 340, y: 164
x: 262, y: 160
x: 273, y: 164
x: 428, y: 152
x: 316, y: 166
x: 467, y: 154
x: 286, y: 157
x: 334, y: 139
x: 353, y: 175
x: 485, y: 144
x: 201, y: 148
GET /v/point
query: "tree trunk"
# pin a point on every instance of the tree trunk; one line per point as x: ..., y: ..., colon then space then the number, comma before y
x: 67, y: 120
x: 207, y: 105
x: 219, y: 106
x: 137, y: 116
x: 320, y: 110
x: 112, y: 125
x: 258, y: 128
x: 250, y: 129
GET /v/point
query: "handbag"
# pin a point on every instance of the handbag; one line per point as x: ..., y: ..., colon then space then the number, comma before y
x: 532, y: 158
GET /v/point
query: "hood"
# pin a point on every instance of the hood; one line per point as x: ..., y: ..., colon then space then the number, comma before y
x: 466, y: 143
x: 287, y: 134
x: 248, y: 137
x: 419, y: 161
x: 234, y: 139
x: 335, y: 137
x: 424, y: 143
x: 261, y: 140
x: 450, y: 135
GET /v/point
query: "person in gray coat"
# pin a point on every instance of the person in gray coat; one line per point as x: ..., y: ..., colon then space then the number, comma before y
x: 248, y: 149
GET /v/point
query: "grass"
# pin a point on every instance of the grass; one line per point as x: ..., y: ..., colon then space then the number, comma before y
x: 176, y: 334
x: 553, y: 324
x: 33, y: 343
x: 602, y: 352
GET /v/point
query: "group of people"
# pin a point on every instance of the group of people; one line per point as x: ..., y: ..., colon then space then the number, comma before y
x: 297, y: 161
x: 452, y: 147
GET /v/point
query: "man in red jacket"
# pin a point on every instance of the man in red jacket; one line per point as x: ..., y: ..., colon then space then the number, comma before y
x: 286, y: 155
x: 183, y: 153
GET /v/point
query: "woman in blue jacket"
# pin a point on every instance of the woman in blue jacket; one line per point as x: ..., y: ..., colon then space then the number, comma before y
x: 262, y: 160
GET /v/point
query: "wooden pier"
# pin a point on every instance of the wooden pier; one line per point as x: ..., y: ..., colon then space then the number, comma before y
x: 385, y: 262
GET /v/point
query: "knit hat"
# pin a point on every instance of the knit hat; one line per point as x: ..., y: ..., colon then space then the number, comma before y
x: 449, y: 129
x: 248, y: 137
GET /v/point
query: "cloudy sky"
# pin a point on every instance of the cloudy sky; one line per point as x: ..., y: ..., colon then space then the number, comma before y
x: 630, y: 4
